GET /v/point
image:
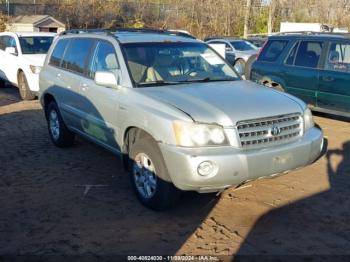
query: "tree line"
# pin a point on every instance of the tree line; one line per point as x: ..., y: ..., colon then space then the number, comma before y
x: 200, y: 17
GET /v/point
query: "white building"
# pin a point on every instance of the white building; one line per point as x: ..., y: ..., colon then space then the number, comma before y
x: 312, y: 27
x: 35, y: 23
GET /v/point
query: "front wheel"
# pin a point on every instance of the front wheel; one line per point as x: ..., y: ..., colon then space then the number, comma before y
x: 58, y: 131
x: 149, y: 175
x: 24, y: 91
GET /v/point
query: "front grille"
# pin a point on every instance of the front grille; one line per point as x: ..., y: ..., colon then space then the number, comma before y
x: 269, y: 131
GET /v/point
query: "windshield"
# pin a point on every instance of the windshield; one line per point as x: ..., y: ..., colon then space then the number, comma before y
x: 243, y: 46
x: 35, y: 44
x: 175, y: 63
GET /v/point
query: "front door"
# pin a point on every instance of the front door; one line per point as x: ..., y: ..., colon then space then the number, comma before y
x: 101, y: 103
x: 334, y: 89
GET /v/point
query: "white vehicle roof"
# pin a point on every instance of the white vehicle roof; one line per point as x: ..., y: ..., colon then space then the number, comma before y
x: 20, y: 34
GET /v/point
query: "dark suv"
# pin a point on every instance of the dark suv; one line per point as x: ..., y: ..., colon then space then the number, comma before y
x: 312, y: 66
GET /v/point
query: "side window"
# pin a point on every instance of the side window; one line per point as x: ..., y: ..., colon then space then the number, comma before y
x: 58, y: 52
x: 11, y: 42
x: 7, y: 41
x: 273, y: 50
x: 228, y: 48
x: 292, y: 54
x: 309, y: 53
x: 104, y: 59
x: 76, y: 55
x: 338, y: 58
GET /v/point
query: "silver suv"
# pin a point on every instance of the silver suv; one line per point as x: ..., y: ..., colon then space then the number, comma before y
x: 176, y: 113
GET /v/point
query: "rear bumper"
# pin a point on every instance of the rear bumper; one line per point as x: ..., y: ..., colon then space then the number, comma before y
x: 236, y: 166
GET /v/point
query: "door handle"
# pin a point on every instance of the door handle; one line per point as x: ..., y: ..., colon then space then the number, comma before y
x: 328, y: 78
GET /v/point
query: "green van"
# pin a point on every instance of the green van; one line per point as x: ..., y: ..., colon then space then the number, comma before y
x: 312, y: 66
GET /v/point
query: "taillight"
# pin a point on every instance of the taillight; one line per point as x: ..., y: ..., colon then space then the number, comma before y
x: 262, y: 48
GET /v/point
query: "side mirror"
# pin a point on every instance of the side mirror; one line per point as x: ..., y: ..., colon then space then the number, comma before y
x: 107, y: 79
x: 228, y: 49
x: 10, y: 50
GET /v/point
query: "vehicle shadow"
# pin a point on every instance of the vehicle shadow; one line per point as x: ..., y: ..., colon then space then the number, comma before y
x: 79, y: 200
x: 9, y: 95
x: 312, y: 227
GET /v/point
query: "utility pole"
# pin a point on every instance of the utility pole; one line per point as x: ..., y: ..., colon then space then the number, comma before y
x: 8, y: 8
x: 246, y: 18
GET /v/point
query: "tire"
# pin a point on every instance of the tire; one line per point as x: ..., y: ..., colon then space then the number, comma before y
x: 23, y: 87
x: 58, y: 131
x: 240, y: 66
x: 147, y: 170
x: 248, y: 66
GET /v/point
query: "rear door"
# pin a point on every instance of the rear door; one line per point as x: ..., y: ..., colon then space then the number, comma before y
x: 72, y: 71
x: 300, y: 70
x: 9, y: 62
x: 334, y: 88
x: 2, y: 56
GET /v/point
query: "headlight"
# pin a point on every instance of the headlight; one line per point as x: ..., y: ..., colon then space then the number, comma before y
x: 35, y: 69
x: 308, y: 120
x: 192, y: 134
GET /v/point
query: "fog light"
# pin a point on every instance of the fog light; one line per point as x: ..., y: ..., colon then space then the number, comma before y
x: 207, y: 168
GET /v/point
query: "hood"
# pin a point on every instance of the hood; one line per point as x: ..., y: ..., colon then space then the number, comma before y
x: 36, y: 60
x: 225, y: 103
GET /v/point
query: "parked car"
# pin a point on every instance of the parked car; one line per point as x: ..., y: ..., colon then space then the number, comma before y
x: 257, y: 41
x: 238, y: 49
x: 174, y: 110
x: 312, y: 66
x: 21, y: 57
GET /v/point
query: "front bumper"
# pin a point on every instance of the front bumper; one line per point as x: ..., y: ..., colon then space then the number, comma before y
x: 33, y: 81
x: 236, y: 166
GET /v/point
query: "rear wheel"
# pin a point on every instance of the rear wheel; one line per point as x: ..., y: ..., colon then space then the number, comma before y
x: 24, y: 91
x: 58, y: 131
x: 149, y: 175
x: 248, y: 66
x: 240, y: 66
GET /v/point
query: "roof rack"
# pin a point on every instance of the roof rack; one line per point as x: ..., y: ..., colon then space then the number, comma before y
x: 156, y: 31
x: 313, y: 33
x: 115, y: 31
x: 83, y: 31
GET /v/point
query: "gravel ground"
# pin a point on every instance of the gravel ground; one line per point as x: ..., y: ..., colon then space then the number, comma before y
x: 79, y: 201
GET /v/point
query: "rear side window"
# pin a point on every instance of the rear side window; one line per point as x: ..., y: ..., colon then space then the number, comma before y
x: 58, y: 52
x: 309, y: 53
x: 338, y: 58
x: 273, y: 50
x: 76, y: 55
x: 292, y: 54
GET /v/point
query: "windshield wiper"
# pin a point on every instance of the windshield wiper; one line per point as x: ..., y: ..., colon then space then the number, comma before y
x: 158, y: 83
x: 208, y: 79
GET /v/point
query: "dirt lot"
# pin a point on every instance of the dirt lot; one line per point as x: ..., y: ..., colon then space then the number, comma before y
x: 48, y: 207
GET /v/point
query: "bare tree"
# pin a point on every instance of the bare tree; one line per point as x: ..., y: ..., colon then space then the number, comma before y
x: 246, y: 18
